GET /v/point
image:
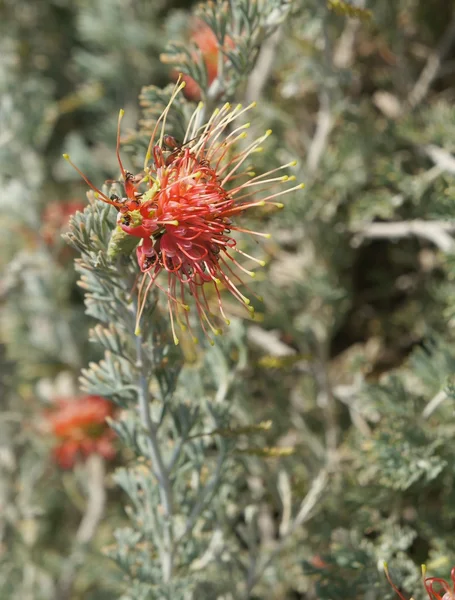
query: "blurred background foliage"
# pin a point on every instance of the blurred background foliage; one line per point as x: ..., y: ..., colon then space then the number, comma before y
x: 352, y: 353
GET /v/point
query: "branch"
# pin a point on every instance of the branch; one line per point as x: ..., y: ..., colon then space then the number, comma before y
x: 263, y: 67
x: 343, y: 55
x: 96, y: 500
x: 269, y: 341
x: 307, y: 506
x: 444, y: 160
x: 432, y: 66
x: 437, y: 232
x: 325, y: 119
x: 434, y: 404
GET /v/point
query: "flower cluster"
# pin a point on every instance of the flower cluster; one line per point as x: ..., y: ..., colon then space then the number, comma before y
x: 184, y: 206
x: 435, y: 587
x: 81, y: 428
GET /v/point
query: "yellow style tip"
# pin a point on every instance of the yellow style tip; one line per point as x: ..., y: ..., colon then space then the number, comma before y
x: 301, y: 186
x: 66, y: 156
x: 267, y: 236
x: 137, y: 331
x: 227, y: 321
x: 238, y: 107
x: 268, y: 132
x: 253, y: 104
x: 195, y: 340
x: 293, y: 163
x: 121, y: 112
x: 262, y: 263
x: 279, y: 205
x: 176, y: 340
x: 252, y: 274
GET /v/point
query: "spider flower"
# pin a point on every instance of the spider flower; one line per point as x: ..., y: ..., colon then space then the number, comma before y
x: 185, y: 208
x: 435, y: 587
x: 80, y: 426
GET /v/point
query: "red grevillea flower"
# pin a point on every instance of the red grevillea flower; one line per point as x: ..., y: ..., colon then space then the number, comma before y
x: 435, y: 587
x: 80, y: 425
x: 187, y: 215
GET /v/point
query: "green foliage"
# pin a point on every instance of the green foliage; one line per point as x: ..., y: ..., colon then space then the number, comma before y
x: 304, y: 449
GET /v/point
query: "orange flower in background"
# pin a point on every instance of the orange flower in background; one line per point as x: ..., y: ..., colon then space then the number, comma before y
x: 204, y: 38
x: 436, y: 587
x: 80, y: 425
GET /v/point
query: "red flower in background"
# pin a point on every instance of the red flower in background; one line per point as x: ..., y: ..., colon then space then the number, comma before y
x: 55, y: 219
x: 80, y: 425
x: 204, y: 38
x: 436, y: 588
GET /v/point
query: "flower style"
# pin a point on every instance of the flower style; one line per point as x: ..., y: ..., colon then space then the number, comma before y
x: 434, y: 586
x: 80, y: 425
x: 186, y: 216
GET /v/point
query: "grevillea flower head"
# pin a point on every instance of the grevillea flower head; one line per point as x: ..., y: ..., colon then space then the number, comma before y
x: 80, y: 426
x: 185, y: 206
x: 435, y: 587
